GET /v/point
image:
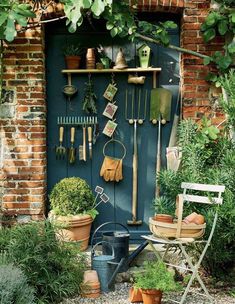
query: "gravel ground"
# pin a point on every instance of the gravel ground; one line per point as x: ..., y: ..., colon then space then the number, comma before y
x: 120, y: 295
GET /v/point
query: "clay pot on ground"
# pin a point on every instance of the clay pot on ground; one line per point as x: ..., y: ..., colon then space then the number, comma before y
x: 72, y: 62
x: 135, y: 295
x: 151, y: 296
x: 166, y: 218
x: 76, y: 228
x: 91, y: 284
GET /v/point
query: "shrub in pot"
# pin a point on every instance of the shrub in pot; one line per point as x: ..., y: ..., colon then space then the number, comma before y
x: 72, y: 54
x: 153, y: 280
x: 72, y: 204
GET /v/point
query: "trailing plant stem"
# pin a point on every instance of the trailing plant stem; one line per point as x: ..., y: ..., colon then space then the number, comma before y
x: 170, y: 46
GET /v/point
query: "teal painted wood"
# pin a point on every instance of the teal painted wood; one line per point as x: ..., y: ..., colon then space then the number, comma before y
x: 119, y: 208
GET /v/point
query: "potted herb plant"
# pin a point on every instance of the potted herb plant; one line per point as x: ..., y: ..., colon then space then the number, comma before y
x: 72, y: 204
x: 72, y: 54
x: 153, y: 281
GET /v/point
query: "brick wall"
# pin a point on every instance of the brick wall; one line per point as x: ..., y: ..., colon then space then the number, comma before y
x: 23, y: 128
x: 23, y: 113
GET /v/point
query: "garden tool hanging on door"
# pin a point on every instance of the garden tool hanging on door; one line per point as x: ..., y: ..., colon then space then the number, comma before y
x: 136, y: 118
x: 160, y: 111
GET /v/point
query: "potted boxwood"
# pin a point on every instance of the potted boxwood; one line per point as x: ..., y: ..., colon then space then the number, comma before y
x: 72, y: 55
x: 72, y: 205
x: 153, y: 280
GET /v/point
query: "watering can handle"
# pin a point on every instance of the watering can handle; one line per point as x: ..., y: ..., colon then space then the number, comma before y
x: 108, y: 223
x: 93, y: 248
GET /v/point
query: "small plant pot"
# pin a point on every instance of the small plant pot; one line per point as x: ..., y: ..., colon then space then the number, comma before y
x: 135, y: 295
x: 72, y: 62
x: 166, y: 218
x: 151, y: 296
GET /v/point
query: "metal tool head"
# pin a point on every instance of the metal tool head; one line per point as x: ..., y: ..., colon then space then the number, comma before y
x: 134, y: 222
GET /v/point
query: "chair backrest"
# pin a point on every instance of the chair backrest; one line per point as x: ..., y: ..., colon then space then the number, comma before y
x: 215, y: 190
x: 215, y: 198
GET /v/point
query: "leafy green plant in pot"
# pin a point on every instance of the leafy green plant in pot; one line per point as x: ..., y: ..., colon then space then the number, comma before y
x: 153, y: 281
x: 72, y: 55
x: 72, y: 204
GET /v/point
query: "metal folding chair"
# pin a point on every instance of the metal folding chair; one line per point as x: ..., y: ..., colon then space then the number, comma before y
x: 214, y: 198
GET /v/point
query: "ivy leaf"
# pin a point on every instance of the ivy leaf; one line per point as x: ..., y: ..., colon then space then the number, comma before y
x: 169, y: 25
x: 223, y: 27
x: 114, y: 31
x: 232, y: 15
x: 25, y: 10
x: 109, y: 25
x: 75, y: 15
x: 231, y: 47
x: 211, y: 19
x: 86, y: 3
x: 10, y: 31
x: 20, y: 19
x: 72, y: 27
x: 209, y: 34
x: 98, y: 7
x: 224, y: 62
x: 3, y: 17
x: 207, y: 60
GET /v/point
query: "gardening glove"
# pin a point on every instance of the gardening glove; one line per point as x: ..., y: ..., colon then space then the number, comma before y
x: 108, y: 169
x: 118, y: 174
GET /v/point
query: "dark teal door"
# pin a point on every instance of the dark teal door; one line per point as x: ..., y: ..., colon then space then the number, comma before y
x: 119, y: 208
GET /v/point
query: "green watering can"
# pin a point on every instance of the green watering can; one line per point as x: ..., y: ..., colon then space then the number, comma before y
x: 106, y: 267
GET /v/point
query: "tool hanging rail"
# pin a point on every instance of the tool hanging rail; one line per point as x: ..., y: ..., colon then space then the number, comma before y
x: 77, y: 120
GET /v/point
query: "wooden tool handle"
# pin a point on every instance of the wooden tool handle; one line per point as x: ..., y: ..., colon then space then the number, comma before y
x: 84, y: 143
x: 61, y: 134
x: 72, y: 134
x: 89, y: 130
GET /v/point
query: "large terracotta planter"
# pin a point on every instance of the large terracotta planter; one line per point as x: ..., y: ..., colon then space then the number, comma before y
x: 77, y: 228
x: 151, y: 296
x: 135, y: 295
x: 72, y: 62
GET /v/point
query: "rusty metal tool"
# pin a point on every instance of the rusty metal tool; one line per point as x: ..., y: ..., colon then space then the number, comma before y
x: 72, y: 150
x: 89, y: 130
x: 60, y: 150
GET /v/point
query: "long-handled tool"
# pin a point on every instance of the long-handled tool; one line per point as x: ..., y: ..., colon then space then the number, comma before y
x: 134, y: 121
x: 84, y: 142
x: 72, y: 150
x: 89, y: 131
x: 60, y: 150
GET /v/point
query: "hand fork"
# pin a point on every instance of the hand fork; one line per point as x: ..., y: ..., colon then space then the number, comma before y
x: 60, y: 150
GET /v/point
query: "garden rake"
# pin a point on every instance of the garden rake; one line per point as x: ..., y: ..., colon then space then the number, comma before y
x: 138, y: 120
x: 60, y: 150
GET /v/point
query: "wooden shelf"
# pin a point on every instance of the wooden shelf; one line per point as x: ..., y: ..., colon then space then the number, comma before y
x: 129, y: 70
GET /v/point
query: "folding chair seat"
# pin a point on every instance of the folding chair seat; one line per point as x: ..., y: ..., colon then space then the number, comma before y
x: 192, y: 193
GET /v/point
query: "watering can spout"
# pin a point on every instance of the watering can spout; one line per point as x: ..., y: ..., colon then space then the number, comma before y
x: 119, y: 265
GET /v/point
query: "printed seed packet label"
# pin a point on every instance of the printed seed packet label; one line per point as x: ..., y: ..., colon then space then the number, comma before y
x: 110, y: 92
x: 110, y: 110
x: 109, y: 128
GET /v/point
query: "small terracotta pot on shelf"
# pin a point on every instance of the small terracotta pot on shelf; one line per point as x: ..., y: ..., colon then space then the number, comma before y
x: 72, y: 62
x: 166, y: 218
x: 135, y: 295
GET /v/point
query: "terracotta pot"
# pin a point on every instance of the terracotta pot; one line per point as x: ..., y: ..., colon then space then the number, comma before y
x: 78, y: 228
x: 135, y: 295
x: 151, y: 296
x: 90, y: 58
x: 91, y: 284
x: 72, y: 62
x: 166, y: 218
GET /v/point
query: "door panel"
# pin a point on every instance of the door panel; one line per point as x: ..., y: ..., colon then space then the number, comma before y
x: 119, y: 207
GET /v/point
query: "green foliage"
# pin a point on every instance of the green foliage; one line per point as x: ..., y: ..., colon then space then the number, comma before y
x: 162, y: 205
x: 227, y: 82
x: 73, y: 50
x: 53, y: 268
x: 207, y: 158
x: 89, y: 101
x: 155, y: 276
x: 221, y: 22
x: 14, y: 287
x: 11, y: 14
x: 71, y: 196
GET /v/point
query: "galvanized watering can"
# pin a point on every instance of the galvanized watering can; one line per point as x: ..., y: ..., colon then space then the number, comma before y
x: 106, y: 268
x: 119, y: 241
